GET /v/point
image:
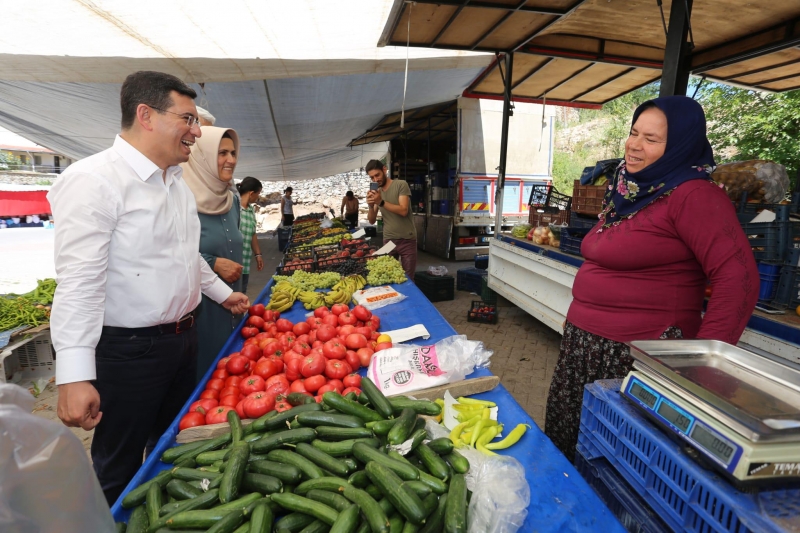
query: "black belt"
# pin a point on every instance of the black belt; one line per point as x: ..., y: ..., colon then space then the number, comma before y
x: 184, y: 324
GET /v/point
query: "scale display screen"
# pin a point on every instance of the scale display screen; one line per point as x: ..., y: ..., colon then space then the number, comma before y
x: 644, y: 395
x: 713, y: 444
x: 674, y: 417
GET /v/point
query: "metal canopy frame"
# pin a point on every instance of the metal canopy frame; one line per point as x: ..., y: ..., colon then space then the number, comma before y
x: 437, y: 119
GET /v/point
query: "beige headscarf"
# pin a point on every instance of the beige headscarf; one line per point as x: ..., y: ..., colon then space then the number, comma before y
x: 213, y: 196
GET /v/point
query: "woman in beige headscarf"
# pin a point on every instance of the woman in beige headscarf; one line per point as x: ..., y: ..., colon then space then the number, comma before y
x: 209, y: 174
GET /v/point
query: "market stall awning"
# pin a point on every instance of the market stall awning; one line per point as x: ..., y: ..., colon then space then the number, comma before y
x: 587, y: 52
x: 435, y: 122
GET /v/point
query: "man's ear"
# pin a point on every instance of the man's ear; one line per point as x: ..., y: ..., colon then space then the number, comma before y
x: 144, y: 116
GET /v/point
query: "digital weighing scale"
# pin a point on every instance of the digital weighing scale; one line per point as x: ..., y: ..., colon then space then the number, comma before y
x: 737, y: 409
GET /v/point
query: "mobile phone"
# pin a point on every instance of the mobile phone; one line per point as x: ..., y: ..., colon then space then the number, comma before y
x: 770, y: 309
x: 374, y: 186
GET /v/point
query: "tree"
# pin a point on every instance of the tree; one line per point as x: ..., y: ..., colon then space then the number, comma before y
x: 9, y: 161
x: 746, y: 125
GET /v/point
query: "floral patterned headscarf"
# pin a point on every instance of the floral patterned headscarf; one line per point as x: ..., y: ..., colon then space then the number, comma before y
x: 687, y: 157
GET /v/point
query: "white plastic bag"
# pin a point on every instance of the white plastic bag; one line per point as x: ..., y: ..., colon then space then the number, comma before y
x: 326, y: 223
x: 403, y: 369
x: 437, y: 271
x: 46, y: 482
x: 377, y: 297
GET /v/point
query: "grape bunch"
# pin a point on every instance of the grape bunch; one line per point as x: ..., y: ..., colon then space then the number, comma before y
x: 333, y: 239
x: 385, y: 269
x: 349, y: 267
x: 307, y: 281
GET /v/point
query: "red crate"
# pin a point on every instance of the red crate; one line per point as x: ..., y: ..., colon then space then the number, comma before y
x: 588, y: 199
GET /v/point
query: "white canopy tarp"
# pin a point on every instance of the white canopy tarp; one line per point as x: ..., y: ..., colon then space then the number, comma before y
x: 297, y: 79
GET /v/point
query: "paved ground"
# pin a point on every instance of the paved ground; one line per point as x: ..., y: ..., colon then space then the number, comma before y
x: 525, y: 351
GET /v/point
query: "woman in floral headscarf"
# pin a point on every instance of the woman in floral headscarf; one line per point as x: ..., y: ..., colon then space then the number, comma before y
x: 665, y: 230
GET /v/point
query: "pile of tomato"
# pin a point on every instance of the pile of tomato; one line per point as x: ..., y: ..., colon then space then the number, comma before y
x: 280, y: 357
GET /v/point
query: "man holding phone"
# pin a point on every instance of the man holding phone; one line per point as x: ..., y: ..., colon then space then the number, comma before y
x: 393, y: 199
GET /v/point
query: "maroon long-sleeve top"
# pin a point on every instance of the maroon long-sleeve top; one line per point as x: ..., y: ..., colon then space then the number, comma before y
x: 650, y: 272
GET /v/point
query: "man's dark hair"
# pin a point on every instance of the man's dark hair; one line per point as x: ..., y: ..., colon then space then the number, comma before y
x: 349, y: 194
x: 373, y: 164
x: 150, y: 88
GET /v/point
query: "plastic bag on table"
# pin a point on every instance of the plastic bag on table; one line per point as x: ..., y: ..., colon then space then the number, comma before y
x: 407, y: 368
x: 46, y: 481
x: 500, y: 493
x: 326, y: 223
x: 377, y: 297
x: 437, y: 271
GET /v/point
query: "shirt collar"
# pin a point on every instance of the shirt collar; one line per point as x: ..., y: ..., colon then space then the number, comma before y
x: 139, y: 162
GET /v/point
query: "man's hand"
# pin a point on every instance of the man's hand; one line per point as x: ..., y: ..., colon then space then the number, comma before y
x: 259, y: 262
x: 228, y: 270
x: 237, y: 303
x: 374, y: 197
x: 79, y: 405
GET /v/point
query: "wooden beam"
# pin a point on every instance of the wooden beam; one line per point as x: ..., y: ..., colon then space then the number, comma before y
x: 780, y: 78
x: 533, y: 35
x: 588, y: 56
x: 498, y: 24
x: 449, y: 21
x: 562, y: 82
x: 488, y: 5
x: 757, y: 70
x: 602, y: 83
x: 531, y: 73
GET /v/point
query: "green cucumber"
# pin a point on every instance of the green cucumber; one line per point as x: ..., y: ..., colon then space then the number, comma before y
x: 433, y: 463
x: 295, y: 424
x: 261, y: 519
x: 417, y: 437
x: 258, y: 423
x: 376, y: 398
x: 373, y: 491
x: 387, y: 506
x: 279, y: 420
x: 317, y: 526
x: 422, y: 407
x: 429, y: 503
x: 363, y: 399
x: 405, y: 501
x: 343, y: 447
x: 322, y: 459
x: 261, y: 483
x: 382, y: 428
x: 234, y: 472
x: 351, y: 463
x: 299, y: 398
x: 190, y: 474
x: 396, y: 524
x: 442, y: 446
x: 172, y: 454
x: 402, y: 429
x: 376, y: 517
x: 139, y: 521
x: 154, y: 502
x: 137, y: 496
x: 229, y: 522
x: 250, y: 437
x: 308, y: 468
x: 181, y: 490
x: 408, y: 527
x: 286, y: 473
x: 293, y: 522
x: 290, y: 436
x: 359, y: 479
x: 332, y: 418
x: 331, y: 499
x: 435, y: 521
x: 459, y: 463
x: 365, y: 454
x: 237, y: 431
x: 197, y: 519
x: 334, y: 433
x: 349, y: 407
x: 209, y: 445
x: 209, y: 458
x: 352, y: 396
x: 436, y: 485
x: 347, y: 521
x: 241, y: 503
x: 418, y: 487
x: 204, y: 501
x: 364, y: 527
x: 188, y: 462
x: 455, y: 512
x: 300, y: 504
x: 333, y: 484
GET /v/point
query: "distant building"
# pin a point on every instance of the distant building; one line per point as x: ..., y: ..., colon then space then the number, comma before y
x: 18, y: 154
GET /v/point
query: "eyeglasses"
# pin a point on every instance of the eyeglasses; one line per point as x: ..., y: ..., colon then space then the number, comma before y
x: 191, y: 120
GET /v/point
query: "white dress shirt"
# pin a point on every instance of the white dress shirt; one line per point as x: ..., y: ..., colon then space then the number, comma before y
x: 127, y: 241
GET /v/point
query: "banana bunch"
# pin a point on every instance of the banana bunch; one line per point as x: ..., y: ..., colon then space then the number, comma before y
x: 342, y: 292
x: 311, y: 299
x: 283, y: 296
x: 337, y: 296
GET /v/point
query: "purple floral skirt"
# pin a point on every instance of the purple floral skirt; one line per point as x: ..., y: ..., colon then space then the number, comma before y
x: 584, y: 358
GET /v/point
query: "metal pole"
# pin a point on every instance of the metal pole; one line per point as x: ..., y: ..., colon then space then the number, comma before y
x: 675, y: 74
x: 501, y: 175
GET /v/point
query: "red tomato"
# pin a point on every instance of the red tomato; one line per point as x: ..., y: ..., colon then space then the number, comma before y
x: 333, y: 349
x: 192, y: 419
x: 354, y: 341
x: 330, y: 320
x: 335, y: 369
x: 230, y: 400
x: 326, y: 332
x: 374, y: 336
x: 344, y: 331
x: 258, y: 404
x: 317, y: 344
x: 290, y: 355
x: 301, y: 328
x: 320, y: 312
x: 305, y: 338
x: 233, y: 389
x: 293, y: 369
x: 352, y: 380
x: 205, y: 405
x: 362, y: 313
x: 348, y: 390
x: 337, y: 384
x: 252, y: 384
x: 277, y: 362
x: 375, y: 322
x: 298, y: 385
x: 252, y: 352
x: 251, y: 341
x: 220, y: 373
x: 314, y: 322
x: 215, y: 384
x: 338, y: 309
x: 238, y: 365
x: 233, y: 381
x: 271, y: 347
x: 347, y: 319
x: 270, y: 315
x: 383, y: 346
x: 264, y: 368
x: 256, y: 310
x: 224, y: 361
x: 313, y: 383
x: 352, y: 359
x: 284, y: 325
x: 240, y: 410
x: 278, y: 384
x: 256, y: 322
x: 322, y: 390
x: 364, y: 330
x: 218, y: 415
x: 312, y: 365
x: 302, y: 348
x: 249, y: 331
x: 209, y: 394
x: 282, y: 406
x: 364, y: 356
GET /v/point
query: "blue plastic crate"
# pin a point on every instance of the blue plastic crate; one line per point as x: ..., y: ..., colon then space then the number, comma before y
x: 769, y: 275
x: 687, y: 496
x: 577, y: 220
x: 482, y: 261
x: 571, y: 239
x: 631, y: 510
x: 469, y: 279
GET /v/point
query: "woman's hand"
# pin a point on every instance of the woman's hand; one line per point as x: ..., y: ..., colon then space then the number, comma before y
x: 259, y: 262
x: 228, y: 270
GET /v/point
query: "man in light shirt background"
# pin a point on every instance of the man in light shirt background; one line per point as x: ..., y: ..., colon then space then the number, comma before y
x: 129, y: 278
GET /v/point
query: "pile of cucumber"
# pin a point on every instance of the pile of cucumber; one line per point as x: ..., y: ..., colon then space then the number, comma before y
x: 318, y: 467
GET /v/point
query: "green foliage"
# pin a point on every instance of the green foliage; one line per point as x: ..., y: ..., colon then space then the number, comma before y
x: 9, y: 161
x: 756, y: 125
x: 567, y: 167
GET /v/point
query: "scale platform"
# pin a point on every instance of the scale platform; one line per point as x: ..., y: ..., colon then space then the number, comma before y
x: 740, y: 411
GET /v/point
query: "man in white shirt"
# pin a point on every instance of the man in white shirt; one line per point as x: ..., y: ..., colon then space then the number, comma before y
x: 129, y: 278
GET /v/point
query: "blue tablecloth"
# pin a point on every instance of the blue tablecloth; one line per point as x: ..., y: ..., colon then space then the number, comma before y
x: 560, y: 499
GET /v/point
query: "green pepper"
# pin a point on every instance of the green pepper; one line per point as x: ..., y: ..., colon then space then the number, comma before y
x: 510, y: 439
